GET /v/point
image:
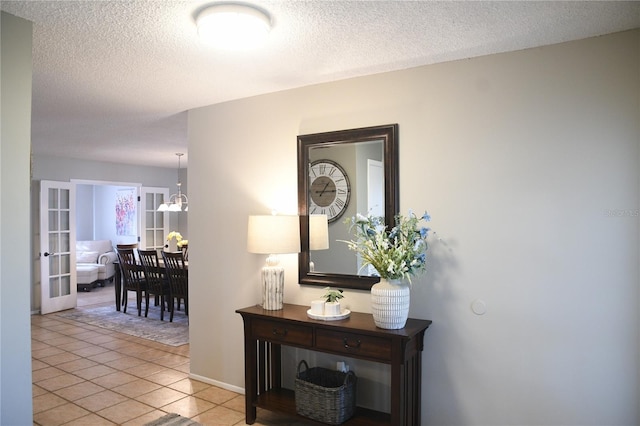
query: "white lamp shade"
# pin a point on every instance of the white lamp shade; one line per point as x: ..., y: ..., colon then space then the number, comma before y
x: 273, y: 234
x: 318, y: 232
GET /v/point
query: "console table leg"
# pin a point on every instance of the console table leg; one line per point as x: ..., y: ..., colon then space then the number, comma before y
x: 397, y: 383
x: 250, y: 375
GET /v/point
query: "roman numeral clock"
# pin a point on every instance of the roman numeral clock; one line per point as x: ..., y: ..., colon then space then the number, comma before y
x: 330, y: 190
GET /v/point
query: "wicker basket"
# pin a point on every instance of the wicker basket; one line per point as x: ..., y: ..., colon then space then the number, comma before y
x: 325, y: 395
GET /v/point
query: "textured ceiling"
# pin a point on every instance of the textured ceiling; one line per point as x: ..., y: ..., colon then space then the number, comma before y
x: 112, y: 80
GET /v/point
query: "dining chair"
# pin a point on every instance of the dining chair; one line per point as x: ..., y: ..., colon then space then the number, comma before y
x: 177, y: 274
x: 157, y: 285
x: 133, y: 278
x: 185, y: 252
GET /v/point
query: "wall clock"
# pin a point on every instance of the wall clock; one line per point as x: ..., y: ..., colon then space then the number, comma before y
x: 330, y: 191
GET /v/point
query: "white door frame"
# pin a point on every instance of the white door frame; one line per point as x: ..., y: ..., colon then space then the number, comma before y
x: 53, y: 304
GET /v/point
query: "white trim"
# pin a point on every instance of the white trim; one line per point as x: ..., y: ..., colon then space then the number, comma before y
x: 102, y: 182
x: 222, y: 385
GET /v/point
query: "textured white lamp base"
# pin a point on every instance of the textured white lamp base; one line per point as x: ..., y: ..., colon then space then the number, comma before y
x: 272, y: 287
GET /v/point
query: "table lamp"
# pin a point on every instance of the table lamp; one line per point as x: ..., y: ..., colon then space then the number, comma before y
x: 318, y: 235
x: 273, y: 235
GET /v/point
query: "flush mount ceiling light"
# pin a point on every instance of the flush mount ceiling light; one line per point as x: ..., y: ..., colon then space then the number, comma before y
x: 233, y: 25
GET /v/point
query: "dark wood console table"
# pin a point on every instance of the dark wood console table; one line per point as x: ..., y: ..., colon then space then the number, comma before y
x: 356, y: 337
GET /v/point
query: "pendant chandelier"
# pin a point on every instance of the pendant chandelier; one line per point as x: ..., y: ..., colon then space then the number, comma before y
x: 176, y: 201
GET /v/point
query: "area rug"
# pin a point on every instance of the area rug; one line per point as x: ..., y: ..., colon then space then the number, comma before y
x: 172, y: 420
x: 174, y: 333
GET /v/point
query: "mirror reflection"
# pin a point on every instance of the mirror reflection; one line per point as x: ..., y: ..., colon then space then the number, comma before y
x: 362, y: 166
x: 341, y: 174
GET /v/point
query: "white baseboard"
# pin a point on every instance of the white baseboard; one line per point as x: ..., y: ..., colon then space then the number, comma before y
x: 222, y: 385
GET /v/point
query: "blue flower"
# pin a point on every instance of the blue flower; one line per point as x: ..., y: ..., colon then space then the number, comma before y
x: 424, y: 232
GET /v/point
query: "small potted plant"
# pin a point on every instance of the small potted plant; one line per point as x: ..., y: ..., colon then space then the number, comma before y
x: 331, y: 303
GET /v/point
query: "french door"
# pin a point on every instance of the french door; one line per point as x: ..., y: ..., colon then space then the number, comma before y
x: 154, y: 224
x: 57, y: 246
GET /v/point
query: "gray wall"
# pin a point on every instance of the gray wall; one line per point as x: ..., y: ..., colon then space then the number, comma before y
x: 65, y: 169
x: 15, y: 145
x: 85, y: 195
x: 529, y: 164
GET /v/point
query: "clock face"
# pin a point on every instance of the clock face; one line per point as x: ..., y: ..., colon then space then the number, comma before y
x: 329, y: 190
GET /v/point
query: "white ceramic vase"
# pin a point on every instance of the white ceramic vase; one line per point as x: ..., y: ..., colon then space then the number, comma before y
x: 390, y: 301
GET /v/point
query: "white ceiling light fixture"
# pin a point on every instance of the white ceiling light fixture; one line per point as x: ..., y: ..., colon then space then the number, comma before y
x: 178, y: 200
x: 233, y: 25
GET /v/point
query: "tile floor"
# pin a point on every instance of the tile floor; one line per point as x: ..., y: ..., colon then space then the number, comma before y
x: 86, y: 375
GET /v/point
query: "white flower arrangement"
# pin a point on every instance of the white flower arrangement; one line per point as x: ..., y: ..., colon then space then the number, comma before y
x: 396, y: 254
x: 179, y: 241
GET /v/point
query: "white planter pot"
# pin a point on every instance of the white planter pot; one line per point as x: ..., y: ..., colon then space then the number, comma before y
x: 390, y: 301
x: 332, y: 308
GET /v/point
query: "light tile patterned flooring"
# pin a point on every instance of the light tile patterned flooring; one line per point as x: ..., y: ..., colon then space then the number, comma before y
x: 86, y: 375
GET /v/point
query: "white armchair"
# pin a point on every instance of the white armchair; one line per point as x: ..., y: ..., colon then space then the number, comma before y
x: 98, y: 253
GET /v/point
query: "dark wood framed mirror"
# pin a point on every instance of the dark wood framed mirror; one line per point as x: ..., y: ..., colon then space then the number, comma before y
x: 342, y: 173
